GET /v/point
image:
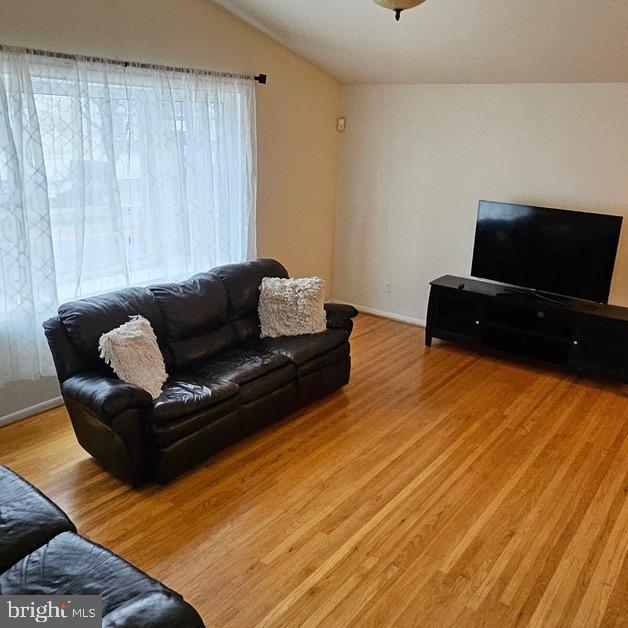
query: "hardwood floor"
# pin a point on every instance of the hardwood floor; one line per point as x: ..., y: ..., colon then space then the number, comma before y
x: 440, y: 488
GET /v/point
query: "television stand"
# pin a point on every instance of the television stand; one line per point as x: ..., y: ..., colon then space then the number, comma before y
x: 575, y: 334
x: 535, y: 294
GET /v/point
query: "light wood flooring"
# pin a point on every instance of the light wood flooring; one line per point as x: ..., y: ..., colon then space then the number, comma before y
x: 441, y: 487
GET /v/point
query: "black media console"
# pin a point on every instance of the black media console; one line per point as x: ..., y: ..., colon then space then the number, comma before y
x: 572, y: 333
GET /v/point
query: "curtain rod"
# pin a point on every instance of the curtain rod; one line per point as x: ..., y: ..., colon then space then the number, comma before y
x: 259, y: 78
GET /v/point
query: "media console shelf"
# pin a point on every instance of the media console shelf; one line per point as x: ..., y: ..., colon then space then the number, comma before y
x: 576, y: 334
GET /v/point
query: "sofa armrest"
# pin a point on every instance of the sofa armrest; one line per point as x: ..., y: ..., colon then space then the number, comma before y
x: 106, y: 397
x: 154, y: 610
x: 339, y: 316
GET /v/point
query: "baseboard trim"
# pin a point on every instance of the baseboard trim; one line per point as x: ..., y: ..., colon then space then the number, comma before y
x: 34, y: 409
x: 401, y: 318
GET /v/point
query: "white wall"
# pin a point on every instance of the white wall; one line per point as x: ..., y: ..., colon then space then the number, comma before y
x: 417, y: 158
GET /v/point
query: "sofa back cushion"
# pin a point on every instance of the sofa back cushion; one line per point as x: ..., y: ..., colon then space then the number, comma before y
x: 195, y: 319
x: 242, y: 283
x: 86, y: 320
x: 192, y: 320
x: 28, y: 519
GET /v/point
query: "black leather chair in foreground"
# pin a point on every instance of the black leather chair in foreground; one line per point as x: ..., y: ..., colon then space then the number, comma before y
x: 41, y: 554
x: 225, y: 381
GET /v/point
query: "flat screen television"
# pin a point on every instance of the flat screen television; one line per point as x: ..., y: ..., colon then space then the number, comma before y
x: 558, y: 251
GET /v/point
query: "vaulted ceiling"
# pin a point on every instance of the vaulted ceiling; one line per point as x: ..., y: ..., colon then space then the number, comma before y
x: 452, y: 41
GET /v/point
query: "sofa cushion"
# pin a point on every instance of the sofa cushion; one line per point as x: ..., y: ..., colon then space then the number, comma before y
x: 300, y: 349
x: 266, y: 384
x: 218, y: 416
x: 292, y: 307
x: 28, y: 519
x: 133, y: 353
x: 247, y: 328
x: 195, y: 318
x: 197, y: 348
x: 257, y: 373
x: 193, y: 307
x: 69, y: 564
x: 184, y: 395
x: 242, y: 282
x: 86, y: 320
x: 240, y: 365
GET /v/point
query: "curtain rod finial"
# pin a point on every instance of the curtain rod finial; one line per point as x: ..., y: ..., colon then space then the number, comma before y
x: 261, y: 78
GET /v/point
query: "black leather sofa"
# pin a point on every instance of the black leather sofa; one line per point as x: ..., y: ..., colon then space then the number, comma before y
x: 41, y: 554
x: 224, y: 380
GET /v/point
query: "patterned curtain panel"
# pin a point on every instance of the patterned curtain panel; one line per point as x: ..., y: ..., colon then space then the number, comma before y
x: 113, y: 176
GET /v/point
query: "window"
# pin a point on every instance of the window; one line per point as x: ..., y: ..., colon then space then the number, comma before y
x: 114, y: 175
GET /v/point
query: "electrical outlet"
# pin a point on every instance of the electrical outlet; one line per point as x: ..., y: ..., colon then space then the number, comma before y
x: 387, y: 287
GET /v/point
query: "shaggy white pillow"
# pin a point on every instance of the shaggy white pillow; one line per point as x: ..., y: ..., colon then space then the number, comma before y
x: 134, y: 355
x: 291, y: 307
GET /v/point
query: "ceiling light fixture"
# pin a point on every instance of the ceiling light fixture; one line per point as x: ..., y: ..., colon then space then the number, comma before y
x: 399, y: 5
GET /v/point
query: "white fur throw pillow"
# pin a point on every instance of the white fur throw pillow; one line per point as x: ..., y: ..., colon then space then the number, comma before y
x: 134, y: 355
x: 291, y: 307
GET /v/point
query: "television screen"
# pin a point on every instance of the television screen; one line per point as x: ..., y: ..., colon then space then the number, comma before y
x: 551, y: 250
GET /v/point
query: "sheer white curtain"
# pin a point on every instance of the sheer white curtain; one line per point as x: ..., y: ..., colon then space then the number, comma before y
x: 113, y: 176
